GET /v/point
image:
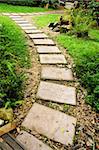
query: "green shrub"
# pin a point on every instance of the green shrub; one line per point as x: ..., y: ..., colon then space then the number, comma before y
x: 82, y: 22
x: 52, y: 3
x: 94, y: 7
x: 24, y: 2
x: 87, y: 68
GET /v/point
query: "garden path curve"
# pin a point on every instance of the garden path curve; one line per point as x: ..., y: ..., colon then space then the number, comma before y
x: 53, y: 124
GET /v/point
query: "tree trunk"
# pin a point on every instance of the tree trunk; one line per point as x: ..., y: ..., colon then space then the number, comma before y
x: 47, y: 5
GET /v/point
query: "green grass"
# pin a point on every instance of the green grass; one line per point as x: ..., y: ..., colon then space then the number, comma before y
x: 85, y: 53
x: 44, y: 20
x: 20, y: 9
x: 17, y: 41
x: 13, y: 56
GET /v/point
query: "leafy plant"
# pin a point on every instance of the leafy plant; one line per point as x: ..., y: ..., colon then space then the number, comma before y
x: 82, y: 22
x: 51, y: 3
x: 11, y: 76
x: 94, y: 7
x: 23, y: 2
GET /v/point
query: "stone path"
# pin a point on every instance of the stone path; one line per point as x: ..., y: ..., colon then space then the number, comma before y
x: 55, y: 125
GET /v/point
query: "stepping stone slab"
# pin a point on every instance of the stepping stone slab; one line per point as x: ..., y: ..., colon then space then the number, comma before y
x: 33, y: 30
x: 21, y: 22
x: 43, y: 42
x: 38, y: 36
x: 30, y: 142
x: 52, y: 59
x: 14, y: 14
x: 47, y: 49
x: 15, y: 17
x: 51, y: 123
x: 57, y: 93
x: 25, y: 25
x: 28, y: 28
x: 55, y: 73
x: 18, y: 19
x: 6, y: 14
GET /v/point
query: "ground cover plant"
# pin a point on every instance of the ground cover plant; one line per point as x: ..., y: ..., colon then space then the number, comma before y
x: 44, y: 20
x: 24, y: 9
x: 13, y: 56
x: 85, y: 52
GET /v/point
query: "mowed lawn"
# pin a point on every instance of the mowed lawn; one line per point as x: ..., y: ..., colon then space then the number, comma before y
x: 20, y: 9
x: 85, y: 53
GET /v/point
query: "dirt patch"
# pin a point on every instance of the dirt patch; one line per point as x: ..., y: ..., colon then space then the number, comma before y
x: 32, y: 82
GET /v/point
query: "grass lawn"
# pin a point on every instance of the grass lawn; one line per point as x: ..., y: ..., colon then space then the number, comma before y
x: 20, y: 9
x: 44, y: 20
x: 13, y: 56
x: 85, y: 53
x: 16, y: 40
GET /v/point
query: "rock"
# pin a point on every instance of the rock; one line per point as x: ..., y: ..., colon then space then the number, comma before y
x: 31, y: 142
x: 43, y: 42
x: 56, y: 92
x: 56, y: 29
x: 52, y: 124
x: 1, y: 122
x: 52, y: 59
x: 48, y: 49
x: 56, y: 73
x: 51, y: 25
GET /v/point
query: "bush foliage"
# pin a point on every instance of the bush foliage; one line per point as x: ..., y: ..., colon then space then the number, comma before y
x: 23, y: 2
x: 12, y: 56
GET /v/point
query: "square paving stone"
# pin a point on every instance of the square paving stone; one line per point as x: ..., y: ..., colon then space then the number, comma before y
x: 30, y: 142
x: 52, y: 59
x: 43, y: 42
x: 56, y: 73
x: 57, y: 93
x: 47, y: 49
x: 51, y: 123
x: 38, y: 36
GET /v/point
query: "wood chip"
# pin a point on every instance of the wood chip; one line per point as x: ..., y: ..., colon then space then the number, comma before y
x: 6, y: 128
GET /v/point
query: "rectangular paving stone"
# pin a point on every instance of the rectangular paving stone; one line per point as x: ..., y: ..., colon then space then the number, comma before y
x: 57, y: 93
x: 28, y: 29
x: 6, y: 14
x: 43, y: 42
x: 52, y: 59
x: 18, y: 19
x: 47, y: 49
x: 15, y: 16
x: 56, y: 73
x: 21, y: 22
x: 38, y: 36
x: 30, y: 142
x: 25, y: 25
x: 51, y: 123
